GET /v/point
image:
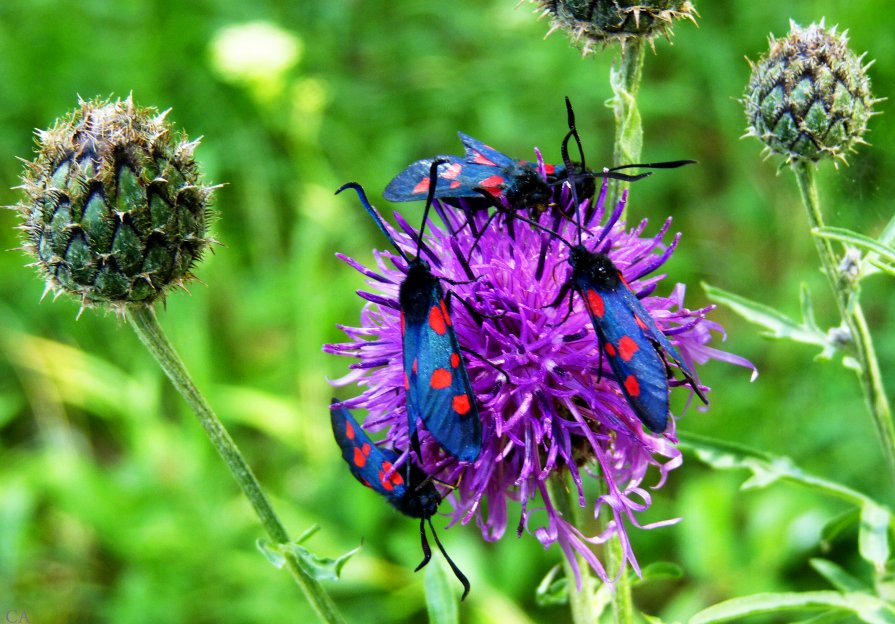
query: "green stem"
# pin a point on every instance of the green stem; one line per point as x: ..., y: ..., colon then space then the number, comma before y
x: 853, y: 316
x: 145, y: 324
x: 625, y: 82
x: 582, y: 603
x: 622, y: 600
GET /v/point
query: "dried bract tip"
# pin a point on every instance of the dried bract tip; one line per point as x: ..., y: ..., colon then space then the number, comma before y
x: 810, y: 96
x: 115, y: 211
x: 593, y: 24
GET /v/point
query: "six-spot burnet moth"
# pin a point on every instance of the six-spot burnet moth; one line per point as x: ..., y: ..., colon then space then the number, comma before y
x: 435, y: 379
x: 483, y: 169
x: 412, y: 493
x: 635, y: 347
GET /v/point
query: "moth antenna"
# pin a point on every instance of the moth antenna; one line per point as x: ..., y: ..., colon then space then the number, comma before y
x: 457, y: 572
x: 372, y: 212
x: 424, y: 541
x: 433, y: 182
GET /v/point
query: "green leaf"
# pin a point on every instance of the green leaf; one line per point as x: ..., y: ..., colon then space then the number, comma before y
x: 841, y: 523
x: 838, y: 577
x: 776, y: 324
x: 868, y: 608
x: 320, y: 568
x: 873, y: 536
x: 440, y: 601
x: 271, y: 552
x: 658, y: 571
x: 844, y: 235
x: 766, y: 469
x: 552, y: 590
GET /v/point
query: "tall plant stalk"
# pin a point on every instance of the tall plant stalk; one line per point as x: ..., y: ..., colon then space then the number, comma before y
x: 625, y: 82
x: 145, y: 324
x: 852, y: 315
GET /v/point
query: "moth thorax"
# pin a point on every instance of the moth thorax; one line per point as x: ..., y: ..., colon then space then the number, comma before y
x: 596, y: 268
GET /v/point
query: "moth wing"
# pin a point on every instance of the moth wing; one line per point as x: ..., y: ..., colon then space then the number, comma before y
x: 637, y: 366
x: 369, y: 463
x: 480, y: 154
x: 456, y: 178
x: 438, y: 389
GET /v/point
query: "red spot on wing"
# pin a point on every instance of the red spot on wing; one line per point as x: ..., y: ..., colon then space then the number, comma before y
x: 493, y: 184
x: 595, y: 303
x: 481, y: 159
x: 349, y: 431
x: 461, y: 404
x: 360, y: 460
x: 627, y: 348
x: 455, y: 360
x: 610, y: 350
x: 447, y: 315
x: 451, y: 173
x: 422, y: 186
x: 415, y: 366
x: 406, y: 381
x: 455, y: 184
x: 441, y: 378
x: 389, y: 482
x: 550, y: 169
x: 632, y: 385
x: 437, y: 320
x: 640, y: 323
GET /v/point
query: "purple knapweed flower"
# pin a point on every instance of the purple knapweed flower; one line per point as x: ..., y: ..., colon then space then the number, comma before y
x: 545, y: 406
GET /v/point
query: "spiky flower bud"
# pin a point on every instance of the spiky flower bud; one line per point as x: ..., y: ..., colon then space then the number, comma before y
x: 596, y: 23
x: 115, y: 210
x: 810, y: 97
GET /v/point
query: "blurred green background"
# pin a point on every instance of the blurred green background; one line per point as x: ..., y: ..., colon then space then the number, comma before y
x: 113, y: 505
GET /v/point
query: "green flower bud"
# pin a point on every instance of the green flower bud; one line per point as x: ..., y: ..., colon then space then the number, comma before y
x: 115, y: 210
x: 810, y: 97
x: 597, y: 23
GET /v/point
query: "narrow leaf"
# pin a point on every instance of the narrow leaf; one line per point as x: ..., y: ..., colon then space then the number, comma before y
x: 858, y: 240
x: 320, y: 568
x: 271, y: 553
x: 440, y: 602
x: 867, y: 608
x: 776, y: 324
x: 873, y: 536
x: 658, y: 571
x: 766, y: 468
x: 552, y: 590
x: 838, y: 577
x: 838, y: 525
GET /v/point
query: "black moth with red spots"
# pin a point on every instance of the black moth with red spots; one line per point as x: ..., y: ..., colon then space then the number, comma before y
x: 408, y: 489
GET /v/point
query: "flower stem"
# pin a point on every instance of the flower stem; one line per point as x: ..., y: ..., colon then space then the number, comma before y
x: 145, y: 324
x: 622, y: 601
x: 853, y: 316
x: 625, y: 82
x: 581, y: 602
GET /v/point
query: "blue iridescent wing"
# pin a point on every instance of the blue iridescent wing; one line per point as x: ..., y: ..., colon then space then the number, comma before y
x: 624, y: 337
x: 655, y: 333
x: 456, y: 178
x: 373, y: 466
x: 369, y: 463
x: 438, y: 389
x: 478, y: 153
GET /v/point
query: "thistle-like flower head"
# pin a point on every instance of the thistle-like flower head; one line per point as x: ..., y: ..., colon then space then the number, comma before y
x: 549, y: 405
x: 809, y: 98
x: 115, y: 211
x: 593, y: 24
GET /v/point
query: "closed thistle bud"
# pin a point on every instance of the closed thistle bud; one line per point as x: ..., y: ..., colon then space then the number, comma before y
x: 596, y: 23
x: 810, y: 97
x: 115, y: 210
